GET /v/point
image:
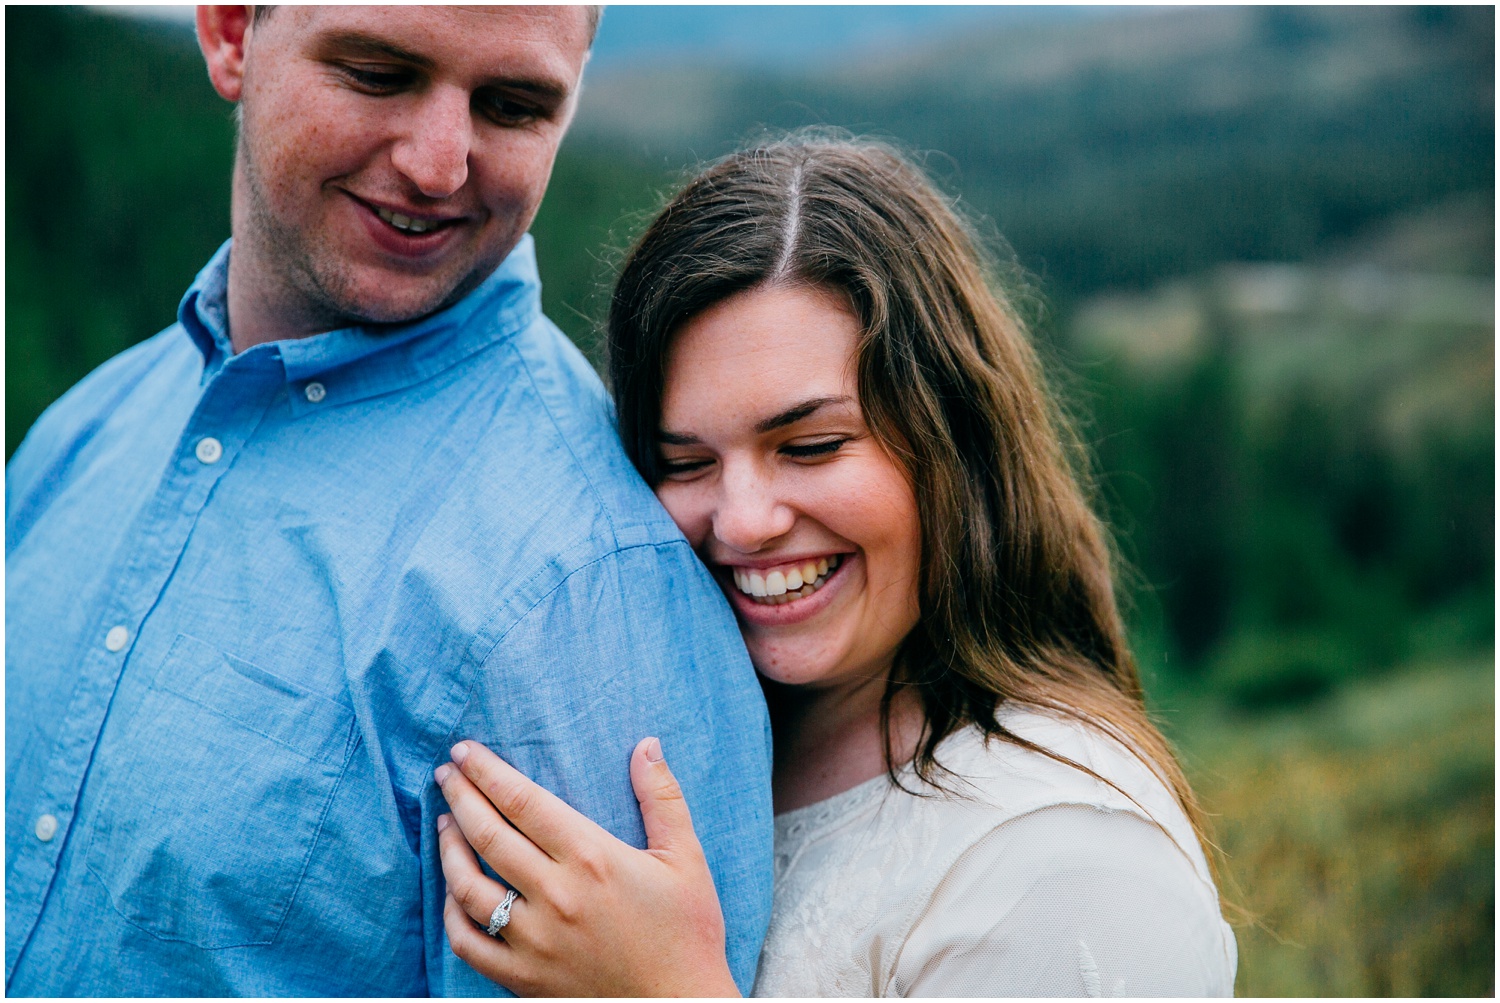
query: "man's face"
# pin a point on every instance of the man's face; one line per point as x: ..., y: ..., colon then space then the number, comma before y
x: 391, y: 157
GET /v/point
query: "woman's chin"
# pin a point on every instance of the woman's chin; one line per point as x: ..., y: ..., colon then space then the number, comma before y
x: 787, y: 675
x: 818, y: 663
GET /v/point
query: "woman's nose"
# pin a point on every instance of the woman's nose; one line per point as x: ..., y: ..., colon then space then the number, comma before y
x: 434, y: 152
x: 750, y: 514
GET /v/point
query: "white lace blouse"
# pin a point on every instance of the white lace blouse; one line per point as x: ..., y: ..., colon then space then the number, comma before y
x: 1038, y: 881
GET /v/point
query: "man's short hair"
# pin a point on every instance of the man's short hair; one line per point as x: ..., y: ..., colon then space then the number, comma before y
x: 594, y: 12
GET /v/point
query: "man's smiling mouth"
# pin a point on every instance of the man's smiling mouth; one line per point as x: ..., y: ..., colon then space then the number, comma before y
x: 407, y: 224
x: 775, y: 586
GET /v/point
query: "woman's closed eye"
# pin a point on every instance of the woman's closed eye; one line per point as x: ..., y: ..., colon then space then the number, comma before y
x: 813, y: 450
x: 680, y: 468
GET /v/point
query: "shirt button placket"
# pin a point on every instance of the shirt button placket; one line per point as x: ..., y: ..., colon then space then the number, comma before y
x: 117, y: 638
x: 227, y: 409
x: 208, y: 450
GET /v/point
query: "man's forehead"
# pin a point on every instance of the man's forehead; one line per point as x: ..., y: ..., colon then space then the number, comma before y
x: 552, y: 38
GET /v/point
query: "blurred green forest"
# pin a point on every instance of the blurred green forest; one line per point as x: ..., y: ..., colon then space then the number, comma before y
x: 1259, y: 250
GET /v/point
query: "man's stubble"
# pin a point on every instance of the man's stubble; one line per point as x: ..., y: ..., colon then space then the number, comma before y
x: 297, y: 270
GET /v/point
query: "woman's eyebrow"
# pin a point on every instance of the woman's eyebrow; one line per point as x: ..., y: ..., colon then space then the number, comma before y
x: 797, y: 412
x: 782, y: 419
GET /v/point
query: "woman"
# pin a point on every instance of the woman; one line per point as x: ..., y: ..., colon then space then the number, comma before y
x: 852, y: 430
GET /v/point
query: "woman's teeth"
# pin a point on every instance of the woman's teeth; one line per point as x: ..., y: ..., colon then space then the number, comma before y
x: 783, y: 585
x: 406, y: 223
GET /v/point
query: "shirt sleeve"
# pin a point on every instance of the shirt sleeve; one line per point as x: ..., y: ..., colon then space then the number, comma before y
x: 40, y: 464
x: 1070, y: 901
x: 637, y: 643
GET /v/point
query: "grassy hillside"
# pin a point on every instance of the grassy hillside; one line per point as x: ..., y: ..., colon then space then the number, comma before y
x: 1359, y: 834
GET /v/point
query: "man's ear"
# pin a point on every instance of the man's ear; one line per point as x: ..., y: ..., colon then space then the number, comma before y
x: 223, y: 33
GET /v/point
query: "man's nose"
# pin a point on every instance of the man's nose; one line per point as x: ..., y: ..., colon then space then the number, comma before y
x: 750, y: 515
x: 434, y: 150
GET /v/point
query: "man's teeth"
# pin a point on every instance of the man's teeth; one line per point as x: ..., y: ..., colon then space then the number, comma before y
x: 406, y: 223
x: 782, y: 585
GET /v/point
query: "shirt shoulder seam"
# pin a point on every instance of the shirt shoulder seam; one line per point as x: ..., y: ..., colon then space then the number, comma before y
x: 582, y: 468
x: 478, y: 660
x: 613, y: 552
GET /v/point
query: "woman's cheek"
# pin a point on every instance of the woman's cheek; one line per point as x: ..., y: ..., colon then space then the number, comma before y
x: 691, y: 518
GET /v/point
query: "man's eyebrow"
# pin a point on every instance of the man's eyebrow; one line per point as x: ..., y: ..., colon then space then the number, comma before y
x: 544, y: 90
x: 358, y: 43
x: 355, y: 42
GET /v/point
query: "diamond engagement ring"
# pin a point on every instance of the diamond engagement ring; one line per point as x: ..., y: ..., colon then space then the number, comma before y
x: 501, y: 916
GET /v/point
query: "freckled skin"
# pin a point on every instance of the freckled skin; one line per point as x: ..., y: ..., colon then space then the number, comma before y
x: 743, y: 360
x: 315, y: 141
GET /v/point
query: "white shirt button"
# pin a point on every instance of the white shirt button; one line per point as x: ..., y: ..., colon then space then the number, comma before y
x: 209, y: 450
x: 46, y: 827
x: 116, y: 639
x: 315, y: 392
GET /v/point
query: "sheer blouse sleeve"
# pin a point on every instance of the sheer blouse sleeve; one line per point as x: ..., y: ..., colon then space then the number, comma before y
x: 1070, y: 900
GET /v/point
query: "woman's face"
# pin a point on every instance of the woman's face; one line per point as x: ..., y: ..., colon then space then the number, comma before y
x: 808, y: 524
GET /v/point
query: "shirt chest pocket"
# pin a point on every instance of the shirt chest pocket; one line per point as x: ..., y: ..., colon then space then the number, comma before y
x: 212, y: 801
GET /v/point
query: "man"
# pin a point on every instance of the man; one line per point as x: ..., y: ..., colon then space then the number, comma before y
x: 360, y: 502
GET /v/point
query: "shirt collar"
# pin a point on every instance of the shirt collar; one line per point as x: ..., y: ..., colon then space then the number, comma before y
x: 204, y: 311
x: 356, y: 362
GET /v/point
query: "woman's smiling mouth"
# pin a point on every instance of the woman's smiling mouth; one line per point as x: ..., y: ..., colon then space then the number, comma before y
x: 782, y: 584
x: 787, y: 596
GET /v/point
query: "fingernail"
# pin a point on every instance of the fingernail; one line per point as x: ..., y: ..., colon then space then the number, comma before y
x: 653, y: 751
x: 441, y: 773
x: 460, y: 752
x: 444, y: 821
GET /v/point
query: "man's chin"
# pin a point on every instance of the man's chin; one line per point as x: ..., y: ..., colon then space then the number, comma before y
x: 384, y: 300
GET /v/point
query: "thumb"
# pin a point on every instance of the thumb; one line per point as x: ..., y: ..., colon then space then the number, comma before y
x: 669, y: 826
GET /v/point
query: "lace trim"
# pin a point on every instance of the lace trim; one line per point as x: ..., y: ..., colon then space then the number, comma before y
x: 799, y: 824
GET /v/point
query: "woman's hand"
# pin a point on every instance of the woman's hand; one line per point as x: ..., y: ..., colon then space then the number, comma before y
x: 596, y: 917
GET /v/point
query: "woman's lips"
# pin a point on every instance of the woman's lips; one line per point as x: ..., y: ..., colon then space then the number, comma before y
x: 772, y: 611
x: 777, y: 584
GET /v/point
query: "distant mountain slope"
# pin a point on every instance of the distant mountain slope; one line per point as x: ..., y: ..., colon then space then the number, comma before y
x: 785, y: 37
x: 1113, y: 151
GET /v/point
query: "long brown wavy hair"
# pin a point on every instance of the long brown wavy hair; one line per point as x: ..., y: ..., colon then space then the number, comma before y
x: 1017, y: 580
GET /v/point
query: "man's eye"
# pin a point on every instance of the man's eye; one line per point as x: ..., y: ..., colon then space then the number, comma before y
x: 504, y: 110
x: 810, y: 450
x: 377, y: 81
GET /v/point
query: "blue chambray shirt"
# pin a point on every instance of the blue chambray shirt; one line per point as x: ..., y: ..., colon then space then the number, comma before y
x: 253, y: 599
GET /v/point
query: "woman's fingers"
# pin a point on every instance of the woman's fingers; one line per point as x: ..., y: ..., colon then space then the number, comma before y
x: 588, y: 900
x: 494, y: 959
x: 669, y: 825
x: 512, y: 855
x: 545, y: 818
x: 475, y: 891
